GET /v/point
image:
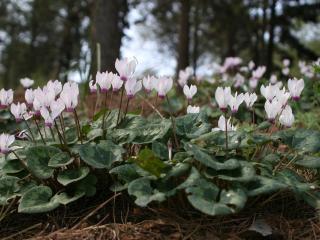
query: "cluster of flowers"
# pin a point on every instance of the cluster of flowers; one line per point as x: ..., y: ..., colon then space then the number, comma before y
x: 232, y: 70
x: 54, y: 98
x: 126, y: 69
x: 276, y: 104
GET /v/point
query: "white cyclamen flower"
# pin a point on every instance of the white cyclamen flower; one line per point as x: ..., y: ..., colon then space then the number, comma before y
x: 283, y: 96
x: 184, y: 75
x: 93, y: 86
x: 286, y: 62
x: 285, y: 71
x: 125, y: 68
x: 235, y: 101
x: 222, y: 96
x: 269, y: 92
x: 104, y: 80
x: 18, y: 111
x: 163, y: 86
x: 193, y: 109
x: 116, y: 83
x: 49, y: 115
x: 5, y: 141
x: 253, y: 83
x: 132, y: 86
x: 286, y: 118
x: 55, y: 85
x: 295, y: 87
x: 238, y: 80
x: 258, y: 73
x: 26, y: 82
x: 272, y: 109
x: 251, y: 65
x: 69, y: 95
x: 29, y: 97
x: 250, y: 99
x: 149, y: 83
x: 222, y: 125
x: 6, y: 98
x: 273, y: 79
x: 189, y: 92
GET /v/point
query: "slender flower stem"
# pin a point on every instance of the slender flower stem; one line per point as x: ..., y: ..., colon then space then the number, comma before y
x: 27, y: 124
x: 226, y: 133
x: 120, y: 105
x: 62, y: 141
x: 105, y: 111
x: 253, y: 113
x: 39, y: 130
x: 52, y: 134
x: 173, y: 125
x: 78, y: 124
x: 62, y: 127
x: 127, y: 106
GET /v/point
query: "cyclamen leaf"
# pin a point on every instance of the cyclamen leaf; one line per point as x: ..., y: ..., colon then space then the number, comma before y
x: 37, y: 200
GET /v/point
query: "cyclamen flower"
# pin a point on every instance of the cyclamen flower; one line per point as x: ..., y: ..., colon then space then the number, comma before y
x: 6, y: 98
x: 282, y: 96
x: 239, y: 80
x: 285, y: 71
x: 26, y: 82
x: 273, y: 79
x: 148, y: 83
x: 286, y: 62
x: 295, y: 87
x: 253, y: 83
x: 29, y: 97
x: 258, y: 73
x: 125, y: 68
x: 193, y: 109
x: 69, y: 96
x: 93, y: 86
x: 235, y: 101
x: 250, y: 99
x: 44, y: 96
x: 251, y: 65
x: 222, y: 97
x: 132, y: 86
x: 222, y: 125
x: 56, y: 86
x: 163, y: 86
x: 269, y: 92
x: 18, y: 111
x: 189, y: 92
x: 286, y: 118
x: 5, y: 141
x: 184, y: 75
x: 116, y: 83
x: 104, y: 80
x: 272, y: 109
x: 230, y: 62
x: 56, y: 108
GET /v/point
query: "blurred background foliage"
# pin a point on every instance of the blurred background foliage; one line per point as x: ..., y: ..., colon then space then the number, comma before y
x: 53, y: 39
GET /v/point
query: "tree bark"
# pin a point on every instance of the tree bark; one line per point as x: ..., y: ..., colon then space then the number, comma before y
x: 108, y: 30
x: 271, y: 38
x: 184, y: 31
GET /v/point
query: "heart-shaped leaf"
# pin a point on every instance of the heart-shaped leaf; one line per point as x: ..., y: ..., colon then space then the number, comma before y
x: 37, y: 200
x: 59, y: 160
x: 38, y: 158
x: 72, y: 175
x: 97, y: 155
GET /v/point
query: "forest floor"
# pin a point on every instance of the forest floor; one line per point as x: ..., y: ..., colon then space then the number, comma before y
x: 277, y: 217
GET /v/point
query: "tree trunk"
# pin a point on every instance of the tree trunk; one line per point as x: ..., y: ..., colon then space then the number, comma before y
x: 195, y: 39
x: 271, y: 38
x: 184, y: 30
x: 109, y: 23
